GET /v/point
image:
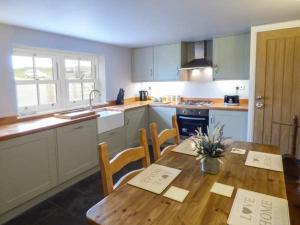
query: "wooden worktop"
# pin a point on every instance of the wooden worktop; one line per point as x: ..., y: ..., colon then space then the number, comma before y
x: 20, y: 127
x: 131, y: 205
x: 216, y: 105
x: 17, y: 129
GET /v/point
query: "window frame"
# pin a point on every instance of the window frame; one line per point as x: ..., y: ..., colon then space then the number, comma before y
x: 33, y: 109
x: 65, y: 82
x: 59, y: 79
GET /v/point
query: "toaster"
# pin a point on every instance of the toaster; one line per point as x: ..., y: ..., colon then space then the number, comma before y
x: 231, y: 100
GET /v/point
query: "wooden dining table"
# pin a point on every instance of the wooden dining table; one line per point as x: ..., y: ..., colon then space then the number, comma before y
x: 130, y: 205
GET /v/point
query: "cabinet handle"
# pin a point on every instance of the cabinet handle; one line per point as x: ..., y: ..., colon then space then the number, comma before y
x: 151, y: 72
x: 112, y: 133
x: 216, y: 68
x: 211, y: 120
x: 77, y: 128
x: 57, y: 71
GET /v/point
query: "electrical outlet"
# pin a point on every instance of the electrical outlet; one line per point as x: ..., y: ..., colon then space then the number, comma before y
x: 242, y: 87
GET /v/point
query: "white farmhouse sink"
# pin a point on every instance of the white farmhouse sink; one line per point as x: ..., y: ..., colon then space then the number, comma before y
x: 109, y: 119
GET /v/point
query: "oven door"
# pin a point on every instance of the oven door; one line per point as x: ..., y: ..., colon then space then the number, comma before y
x: 188, y: 124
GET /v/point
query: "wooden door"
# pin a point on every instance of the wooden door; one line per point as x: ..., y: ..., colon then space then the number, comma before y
x: 277, y: 88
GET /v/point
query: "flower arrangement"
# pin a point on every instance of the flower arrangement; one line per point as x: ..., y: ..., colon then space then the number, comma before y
x: 210, y: 146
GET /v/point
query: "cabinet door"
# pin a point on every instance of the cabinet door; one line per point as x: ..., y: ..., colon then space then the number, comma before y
x: 142, y: 64
x: 231, y: 56
x: 77, y: 149
x: 115, y: 140
x: 135, y: 119
x: 27, y: 168
x: 162, y: 116
x: 235, y: 123
x: 167, y: 61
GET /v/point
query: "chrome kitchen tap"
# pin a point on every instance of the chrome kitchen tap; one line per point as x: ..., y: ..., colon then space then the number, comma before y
x: 92, y: 91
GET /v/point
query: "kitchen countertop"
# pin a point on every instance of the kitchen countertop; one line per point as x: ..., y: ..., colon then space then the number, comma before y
x: 214, y: 106
x: 131, y: 105
x: 13, y: 130
x: 21, y: 128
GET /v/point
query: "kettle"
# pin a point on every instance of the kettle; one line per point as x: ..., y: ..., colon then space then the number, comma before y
x: 143, y: 95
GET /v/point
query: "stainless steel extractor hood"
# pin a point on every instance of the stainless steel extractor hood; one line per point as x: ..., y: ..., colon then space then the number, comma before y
x: 199, y: 55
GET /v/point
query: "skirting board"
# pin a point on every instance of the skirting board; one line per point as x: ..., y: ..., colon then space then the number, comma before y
x: 29, y: 204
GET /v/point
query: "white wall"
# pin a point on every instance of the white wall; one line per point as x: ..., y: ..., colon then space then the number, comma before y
x: 212, y: 89
x: 117, y: 61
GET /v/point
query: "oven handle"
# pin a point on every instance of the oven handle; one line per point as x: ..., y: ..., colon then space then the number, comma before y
x: 191, y: 118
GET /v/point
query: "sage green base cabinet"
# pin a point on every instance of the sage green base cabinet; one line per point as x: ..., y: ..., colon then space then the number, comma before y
x: 235, y: 123
x: 135, y: 119
x: 162, y: 116
x: 27, y: 168
x: 77, y: 149
x: 231, y: 57
x: 115, y: 140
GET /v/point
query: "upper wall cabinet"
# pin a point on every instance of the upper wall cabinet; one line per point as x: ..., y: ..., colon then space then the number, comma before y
x: 142, y: 64
x: 167, y: 60
x: 231, y: 56
x: 159, y: 63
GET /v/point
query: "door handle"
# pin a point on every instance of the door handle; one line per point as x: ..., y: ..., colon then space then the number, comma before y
x: 259, y: 102
x: 259, y: 105
x: 191, y: 118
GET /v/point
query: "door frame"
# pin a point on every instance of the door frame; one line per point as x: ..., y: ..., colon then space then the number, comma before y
x: 254, y: 31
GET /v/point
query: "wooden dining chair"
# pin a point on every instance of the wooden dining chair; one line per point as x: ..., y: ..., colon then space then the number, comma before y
x: 158, y: 140
x: 110, y: 167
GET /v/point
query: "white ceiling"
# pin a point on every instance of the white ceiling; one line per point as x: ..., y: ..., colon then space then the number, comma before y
x: 136, y: 23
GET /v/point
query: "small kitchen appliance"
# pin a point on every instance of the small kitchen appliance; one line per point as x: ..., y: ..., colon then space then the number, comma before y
x: 231, y: 100
x: 143, y: 95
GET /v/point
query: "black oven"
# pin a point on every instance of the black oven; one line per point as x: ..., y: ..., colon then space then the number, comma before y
x: 191, y: 119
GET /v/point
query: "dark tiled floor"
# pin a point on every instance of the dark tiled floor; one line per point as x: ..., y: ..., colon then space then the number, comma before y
x: 69, y: 206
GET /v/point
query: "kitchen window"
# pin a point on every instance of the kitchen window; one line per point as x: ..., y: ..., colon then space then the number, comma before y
x: 48, y: 81
x: 80, y: 79
x: 36, y: 81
